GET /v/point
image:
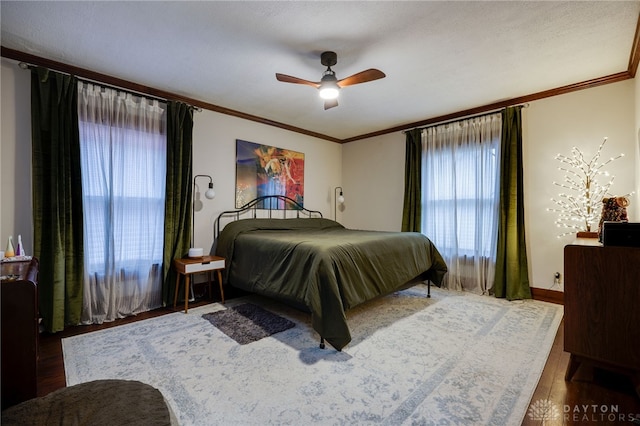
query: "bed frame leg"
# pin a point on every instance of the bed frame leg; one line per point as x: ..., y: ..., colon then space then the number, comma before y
x: 321, y: 342
x: 429, y: 289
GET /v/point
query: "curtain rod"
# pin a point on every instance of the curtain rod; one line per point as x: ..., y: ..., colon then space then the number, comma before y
x: 25, y: 66
x: 466, y: 117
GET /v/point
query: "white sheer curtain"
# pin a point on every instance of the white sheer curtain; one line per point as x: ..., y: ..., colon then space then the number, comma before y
x: 460, y: 196
x: 123, y: 161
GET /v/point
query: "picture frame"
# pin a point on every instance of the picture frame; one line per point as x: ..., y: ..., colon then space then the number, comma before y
x: 267, y: 170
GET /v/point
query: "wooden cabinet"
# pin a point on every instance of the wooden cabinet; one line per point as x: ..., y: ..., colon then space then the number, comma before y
x: 601, y: 301
x: 19, y: 331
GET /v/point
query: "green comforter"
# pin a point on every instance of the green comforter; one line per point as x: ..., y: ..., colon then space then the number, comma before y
x: 322, y: 266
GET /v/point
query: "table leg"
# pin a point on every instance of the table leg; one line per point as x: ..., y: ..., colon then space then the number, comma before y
x: 220, y: 282
x: 574, y: 363
x: 175, y: 294
x: 186, y: 293
x: 210, y: 288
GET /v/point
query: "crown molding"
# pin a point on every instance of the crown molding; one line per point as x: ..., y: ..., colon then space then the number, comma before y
x: 634, y: 57
x: 613, y: 78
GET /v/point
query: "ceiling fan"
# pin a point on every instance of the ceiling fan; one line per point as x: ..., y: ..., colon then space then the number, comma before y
x: 329, y: 86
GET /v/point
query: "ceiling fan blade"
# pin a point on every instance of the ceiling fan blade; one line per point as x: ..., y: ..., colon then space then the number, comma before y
x: 289, y: 79
x: 361, y: 77
x: 330, y: 103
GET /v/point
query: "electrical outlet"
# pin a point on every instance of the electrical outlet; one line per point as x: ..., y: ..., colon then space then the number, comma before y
x: 556, y: 278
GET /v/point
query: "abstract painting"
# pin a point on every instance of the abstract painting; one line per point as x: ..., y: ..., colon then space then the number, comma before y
x: 266, y: 170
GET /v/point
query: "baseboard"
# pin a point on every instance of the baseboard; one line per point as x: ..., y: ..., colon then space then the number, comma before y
x: 552, y: 296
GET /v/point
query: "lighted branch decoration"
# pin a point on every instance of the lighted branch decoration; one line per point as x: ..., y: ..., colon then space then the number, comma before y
x: 581, y: 208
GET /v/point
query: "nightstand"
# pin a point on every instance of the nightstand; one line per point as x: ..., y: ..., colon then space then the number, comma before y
x: 191, y: 265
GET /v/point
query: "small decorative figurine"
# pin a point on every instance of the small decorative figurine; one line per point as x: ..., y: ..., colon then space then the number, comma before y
x: 10, y: 251
x: 613, y: 210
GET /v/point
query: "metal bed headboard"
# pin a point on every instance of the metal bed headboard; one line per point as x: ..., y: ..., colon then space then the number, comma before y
x: 268, y: 204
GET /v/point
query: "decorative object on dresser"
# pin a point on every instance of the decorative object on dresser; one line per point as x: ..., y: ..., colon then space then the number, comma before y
x: 602, y: 320
x: 580, y: 209
x: 10, y: 251
x: 20, y: 324
x: 614, y: 209
x: 20, y: 248
x: 623, y: 234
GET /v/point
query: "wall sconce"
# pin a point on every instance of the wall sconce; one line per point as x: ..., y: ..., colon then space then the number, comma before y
x: 337, y: 199
x: 209, y: 194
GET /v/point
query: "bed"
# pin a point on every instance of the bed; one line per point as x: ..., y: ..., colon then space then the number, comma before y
x: 318, y: 265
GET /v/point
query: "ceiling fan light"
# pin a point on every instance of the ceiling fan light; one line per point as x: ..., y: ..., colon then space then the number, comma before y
x: 329, y: 91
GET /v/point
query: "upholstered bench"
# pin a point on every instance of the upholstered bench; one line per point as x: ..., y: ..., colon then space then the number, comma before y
x: 97, y: 403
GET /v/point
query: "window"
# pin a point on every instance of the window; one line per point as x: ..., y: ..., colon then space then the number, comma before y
x: 123, y: 160
x: 460, y: 182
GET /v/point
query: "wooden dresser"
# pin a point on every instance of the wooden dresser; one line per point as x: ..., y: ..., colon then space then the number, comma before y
x: 19, y: 331
x: 601, y: 308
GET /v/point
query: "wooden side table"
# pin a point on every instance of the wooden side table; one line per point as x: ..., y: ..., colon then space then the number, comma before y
x: 190, y: 265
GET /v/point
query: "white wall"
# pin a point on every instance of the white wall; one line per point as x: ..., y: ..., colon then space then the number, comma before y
x: 15, y: 156
x: 373, y: 183
x: 373, y: 169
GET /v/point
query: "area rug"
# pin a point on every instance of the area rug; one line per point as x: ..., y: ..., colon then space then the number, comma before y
x: 456, y: 358
x: 248, y: 323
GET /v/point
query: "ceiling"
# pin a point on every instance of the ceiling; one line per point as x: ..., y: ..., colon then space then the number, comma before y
x: 438, y: 57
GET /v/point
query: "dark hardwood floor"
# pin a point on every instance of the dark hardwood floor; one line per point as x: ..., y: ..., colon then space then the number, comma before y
x: 593, y: 397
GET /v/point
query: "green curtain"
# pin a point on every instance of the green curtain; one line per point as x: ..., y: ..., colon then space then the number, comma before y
x: 412, y: 210
x: 57, y: 197
x: 512, y: 276
x: 177, y: 212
